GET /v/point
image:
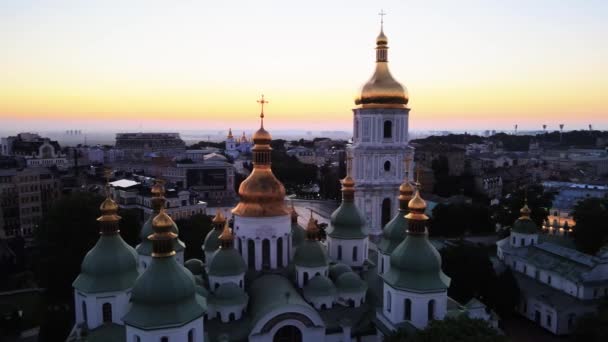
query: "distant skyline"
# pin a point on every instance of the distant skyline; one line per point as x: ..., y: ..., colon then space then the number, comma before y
x: 175, y: 65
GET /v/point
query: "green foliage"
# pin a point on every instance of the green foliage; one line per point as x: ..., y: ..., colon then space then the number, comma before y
x: 473, y: 275
x: 591, y: 231
x: 457, y: 329
x: 456, y: 219
x: 203, y: 144
x: 291, y: 171
x: 539, y: 202
x: 192, y: 232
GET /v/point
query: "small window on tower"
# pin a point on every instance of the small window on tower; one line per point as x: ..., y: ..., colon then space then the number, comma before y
x: 388, y: 129
x: 387, y: 166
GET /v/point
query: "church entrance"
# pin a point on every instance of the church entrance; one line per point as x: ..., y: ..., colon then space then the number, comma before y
x: 288, y: 333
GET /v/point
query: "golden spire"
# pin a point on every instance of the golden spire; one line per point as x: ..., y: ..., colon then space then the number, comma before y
x: 162, y: 238
x: 382, y: 90
x: 348, y: 183
x: 109, y: 210
x: 312, y: 228
x: 219, y: 218
x: 294, y: 213
x: 230, y: 136
x: 261, y: 194
x: 406, y: 190
x: 417, y: 207
x: 525, y: 210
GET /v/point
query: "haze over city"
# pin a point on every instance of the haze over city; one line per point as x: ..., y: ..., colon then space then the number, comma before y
x: 166, y: 65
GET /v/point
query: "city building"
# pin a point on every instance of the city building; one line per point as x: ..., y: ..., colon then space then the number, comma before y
x: 380, y: 142
x: 144, y: 146
x: 304, y: 155
x: 452, y: 156
x: 236, y: 146
x: 34, y: 149
x: 25, y: 196
x: 558, y: 284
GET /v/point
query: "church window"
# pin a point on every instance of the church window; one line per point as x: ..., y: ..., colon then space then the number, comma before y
x: 514, y: 240
x: 407, y: 311
x: 549, y: 320
x: 305, y: 278
x: 355, y: 253
x: 339, y: 252
x: 106, y: 310
x: 164, y: 339
x: 280, y: 252
x: 388, y: 302
x: 388, y: 129
x: 84, y: 312
x: 549, y: 280
x: 387, y: 166
x: 191, y: 335
x: 386, y: 211
x: 431, y: 310
x: 382, y: 265
x: 137, y: 338
x: 521, y: 242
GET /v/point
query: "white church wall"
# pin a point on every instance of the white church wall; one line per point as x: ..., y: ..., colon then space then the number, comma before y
x: 179, y: 334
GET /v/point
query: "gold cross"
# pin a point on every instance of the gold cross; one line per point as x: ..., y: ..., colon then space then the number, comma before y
x: 261, y: 101
x: 382, y: 14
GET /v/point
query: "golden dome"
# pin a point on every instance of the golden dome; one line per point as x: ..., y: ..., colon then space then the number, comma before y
x: 525, y: 212
x: 382, y: 90
x: 230, y: 136
x: 157, y: 189
x: 262, y: 195
x: 348, y: 182
x: 406, y: 188
x: 262, y: 137
x: 108, y: 205
x: 312, y: 226
x: 219, y: 218
x: 417, y: 203
x: 162, y: 220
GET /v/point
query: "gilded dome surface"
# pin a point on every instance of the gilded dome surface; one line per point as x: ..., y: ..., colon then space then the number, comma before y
x: 262, y: 195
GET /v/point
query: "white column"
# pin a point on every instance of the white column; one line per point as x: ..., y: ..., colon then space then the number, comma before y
x: 286, y: 240
x: 245, y: 253
x: 258, y: 254
x: 273, y: 252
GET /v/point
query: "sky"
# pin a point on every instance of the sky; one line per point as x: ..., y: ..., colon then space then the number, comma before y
x: 180, y: 64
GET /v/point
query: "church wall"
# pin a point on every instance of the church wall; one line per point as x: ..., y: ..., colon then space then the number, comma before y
x: 179, y: 334
x: 384, y: 263
x: 419, y: 306
x: 258, y: 229
x: 308, y: 333
x: 119, y: 302
x: 316, y: 333
x: 312, y: 271
x: 237, y: 279
x: 347, y: 250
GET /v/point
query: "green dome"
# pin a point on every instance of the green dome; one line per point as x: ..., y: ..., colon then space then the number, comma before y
x: 111, y: 265
x: 524, y: 226
x: 337, y: 270
x: 164, y: 296
x: 393, y: 233
x: 298, y: 234
x: 310, y: 253
x: 145, y: 247
x: 416, y: 265
x: 319, y: 286
x: 227, y: 262
x: 228, y: 294
x: 212, y: 240
x: 349, y: 282
x: 195, y: 266
x: 347, y: 222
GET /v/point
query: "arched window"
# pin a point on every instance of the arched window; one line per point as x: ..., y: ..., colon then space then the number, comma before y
x: 388, y: 301
x: 382, y: 264
x: 231, y: 317
x: 191, y: 335
x: 386, y: 211
x: 280, y: 252
x: 84, y: 312
x: 431, y: 310
x: 266, y: 253
x: 521, y: 241
x: 305, y: 278
x: 251, y: 253
x: 514, y: 241
x: 106, y: 311
x: 164, y: 339
x: 387, y: 166
x: 355, y: 253
x: 388, y: 129
x: 339, y: 252
x: 137, y: 339
x: 407, y: 310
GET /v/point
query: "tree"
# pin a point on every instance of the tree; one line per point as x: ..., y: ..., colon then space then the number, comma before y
x: 457, y: 329
x: 192, y: 232
x: 590, y: 232
x: 456, y: 219
x: 539, y: 202
x: 507, y: 294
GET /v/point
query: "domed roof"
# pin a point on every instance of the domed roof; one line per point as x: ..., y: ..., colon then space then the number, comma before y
x: 393, y: 233
x: 227, y: 262
x: 195, y: 266
x: 228, y: 294
x: 145, y: 246
x: 347, y: 222
x: 319, y: 286
x: 524, y: 224
x: 416, y: 265
x: 350, y: 282
x: 261, y: 195
x: 164, y: 287
x: 111, y: 265
x: 382, y: 90
x: 298, y: 234
x: 108, y: 205
x: 337, y: 270
x: 310, y: 253
x: 417, y: 202
x: 219, y: 218
x: 262, y: 137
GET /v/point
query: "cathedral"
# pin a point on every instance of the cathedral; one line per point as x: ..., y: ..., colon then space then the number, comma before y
x: 265, y: 277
